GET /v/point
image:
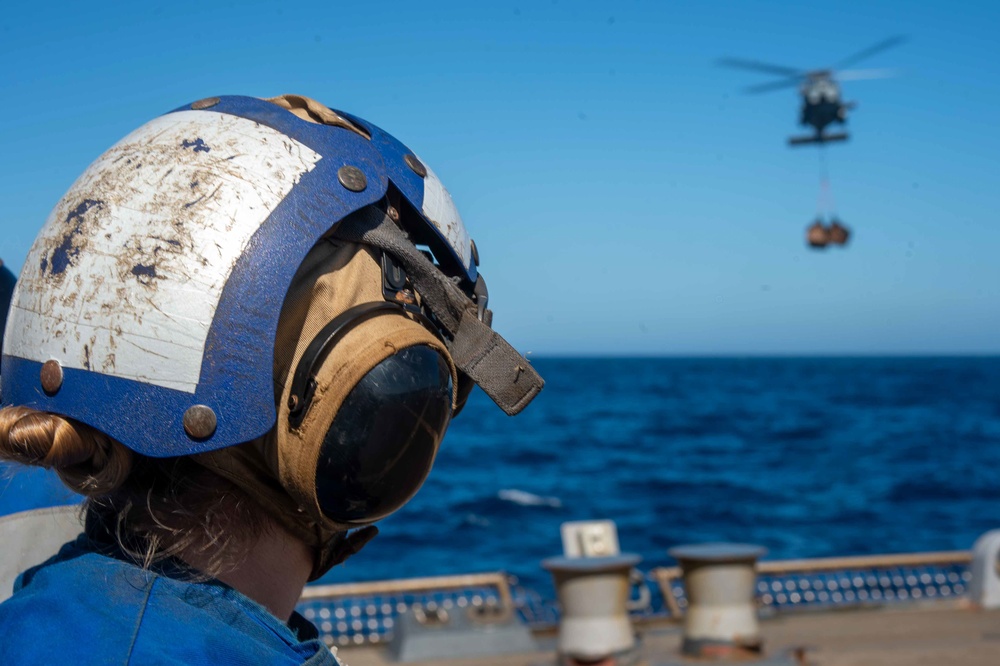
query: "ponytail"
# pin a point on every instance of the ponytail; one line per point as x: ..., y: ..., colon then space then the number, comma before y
x: 88, y: 461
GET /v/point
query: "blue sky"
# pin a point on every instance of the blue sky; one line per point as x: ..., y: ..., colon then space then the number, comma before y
x: 626, y: 199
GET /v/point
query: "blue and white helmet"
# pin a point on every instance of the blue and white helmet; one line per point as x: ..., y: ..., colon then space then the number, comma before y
x: 156, y: 284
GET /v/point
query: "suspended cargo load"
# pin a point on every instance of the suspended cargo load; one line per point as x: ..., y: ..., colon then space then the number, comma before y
x: 839, y: 234
x: 817, y: 235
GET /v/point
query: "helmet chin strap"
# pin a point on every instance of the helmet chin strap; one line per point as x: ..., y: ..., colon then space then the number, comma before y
x: 477, y: 350
x: 341, y: 547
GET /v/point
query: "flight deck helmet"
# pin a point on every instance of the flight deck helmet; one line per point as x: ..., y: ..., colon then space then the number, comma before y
x: 189, y: 291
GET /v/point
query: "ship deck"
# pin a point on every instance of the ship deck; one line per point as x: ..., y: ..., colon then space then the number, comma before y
x: 935, y: 634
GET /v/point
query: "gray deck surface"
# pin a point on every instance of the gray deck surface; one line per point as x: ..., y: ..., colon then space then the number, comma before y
x: 936, y: 635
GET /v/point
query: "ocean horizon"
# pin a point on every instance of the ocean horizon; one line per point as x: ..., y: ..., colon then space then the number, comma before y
x: 808, y: 456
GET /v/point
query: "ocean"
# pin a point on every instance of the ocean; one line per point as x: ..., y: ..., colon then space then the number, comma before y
x: 805, y: 456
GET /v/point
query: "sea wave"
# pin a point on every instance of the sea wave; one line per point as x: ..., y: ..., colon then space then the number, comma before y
x: 524, y: 498
x: 808, y: 457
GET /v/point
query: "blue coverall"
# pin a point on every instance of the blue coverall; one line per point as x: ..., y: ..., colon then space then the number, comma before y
x: 87, y: 607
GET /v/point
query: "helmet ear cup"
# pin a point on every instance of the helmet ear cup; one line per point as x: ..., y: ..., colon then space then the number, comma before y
x: 465, y: 386
x: 382, y: 442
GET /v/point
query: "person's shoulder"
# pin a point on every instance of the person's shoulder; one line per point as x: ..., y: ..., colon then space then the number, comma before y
x: 80, y: 605
x: 211, y: 623
x: 91, y: 609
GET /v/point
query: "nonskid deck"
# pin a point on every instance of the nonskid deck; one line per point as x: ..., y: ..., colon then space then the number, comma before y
x: 932, y: 634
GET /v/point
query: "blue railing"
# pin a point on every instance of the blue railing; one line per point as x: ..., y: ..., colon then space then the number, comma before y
x: 357, y: 614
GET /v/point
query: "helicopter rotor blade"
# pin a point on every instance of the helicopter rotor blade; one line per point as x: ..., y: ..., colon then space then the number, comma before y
x: 773, y: 85
x: 865, y: 74
x: 870, y: 51
x: 756, y: 65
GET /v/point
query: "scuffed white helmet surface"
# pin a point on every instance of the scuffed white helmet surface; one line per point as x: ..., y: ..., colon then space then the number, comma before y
x: 126, y: 275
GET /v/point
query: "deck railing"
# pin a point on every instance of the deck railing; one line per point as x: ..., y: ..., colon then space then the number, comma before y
x: 842, y: 581
x: 357, y: 613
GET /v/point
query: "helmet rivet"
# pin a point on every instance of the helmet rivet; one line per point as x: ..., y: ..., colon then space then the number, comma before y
x: 52, y: 376
x: 206, y: 103
x: 415, y: 164
x: 475, y: 252
x: 352, y: 178
x: 199, y: 422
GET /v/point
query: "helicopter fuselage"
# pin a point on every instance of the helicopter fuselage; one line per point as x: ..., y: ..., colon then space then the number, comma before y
x: 821, y: 103
x: 819, y: 88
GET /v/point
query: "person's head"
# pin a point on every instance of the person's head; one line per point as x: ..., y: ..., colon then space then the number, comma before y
x: 248, y: 308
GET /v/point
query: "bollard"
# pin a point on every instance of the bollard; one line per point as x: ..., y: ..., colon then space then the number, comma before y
x: 593, y: 595
x: 721, y: 619
x: 984, y: 588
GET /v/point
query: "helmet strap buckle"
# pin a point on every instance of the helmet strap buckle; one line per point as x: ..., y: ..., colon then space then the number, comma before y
x: 396, y: 284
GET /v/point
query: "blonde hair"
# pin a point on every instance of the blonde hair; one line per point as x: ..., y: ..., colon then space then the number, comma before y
x: 88, y: 461
x: 151, y: 508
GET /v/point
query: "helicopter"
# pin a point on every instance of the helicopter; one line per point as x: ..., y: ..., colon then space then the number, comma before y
x: 822, y: 104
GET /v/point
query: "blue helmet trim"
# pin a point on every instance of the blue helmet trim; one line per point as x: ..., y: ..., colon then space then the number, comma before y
x: 409, y: 184
x: 236, y: 372
x: 389, y: 148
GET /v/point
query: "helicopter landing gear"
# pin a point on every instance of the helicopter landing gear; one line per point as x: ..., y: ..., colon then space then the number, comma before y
x: 829, y: 137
